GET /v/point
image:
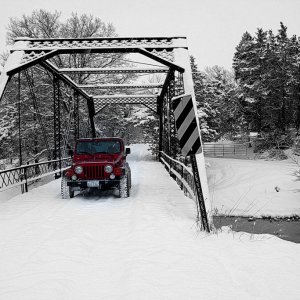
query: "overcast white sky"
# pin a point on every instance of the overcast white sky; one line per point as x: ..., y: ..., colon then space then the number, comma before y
x: 213, y: 27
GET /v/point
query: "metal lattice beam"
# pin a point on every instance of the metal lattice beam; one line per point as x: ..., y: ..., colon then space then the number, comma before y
x: 100, y: 42
x: 56, y: 119
x: 76, y: 115
x: 113, y: 70
x: 125, y: 99
x: 100, y: 101
x: 119, y: 86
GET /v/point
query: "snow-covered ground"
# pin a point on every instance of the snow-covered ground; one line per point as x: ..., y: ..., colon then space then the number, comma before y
x: 253, y: 187
x: 142, y: 247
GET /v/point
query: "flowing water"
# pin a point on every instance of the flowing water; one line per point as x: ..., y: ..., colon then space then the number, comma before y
x: 286, y: 229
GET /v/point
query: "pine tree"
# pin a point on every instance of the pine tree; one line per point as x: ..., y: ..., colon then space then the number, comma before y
x: 204, y: 109
x: 293, y: 83
x: 267, y: 70
x: 249, y: 67
x: 218, y: 109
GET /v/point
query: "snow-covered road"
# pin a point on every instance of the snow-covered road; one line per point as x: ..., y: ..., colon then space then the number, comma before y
x: 143, y: 247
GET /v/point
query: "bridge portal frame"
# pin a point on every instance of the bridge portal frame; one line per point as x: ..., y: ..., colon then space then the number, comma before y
x: 170, y: 52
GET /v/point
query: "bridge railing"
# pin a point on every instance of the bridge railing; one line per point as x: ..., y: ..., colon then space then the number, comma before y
x: 181, y: 173
x: 21, y: 176
x: 225, y: 150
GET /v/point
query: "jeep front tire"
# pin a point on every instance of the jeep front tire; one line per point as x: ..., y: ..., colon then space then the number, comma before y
x: 66, y: 191
x: 124, y: 187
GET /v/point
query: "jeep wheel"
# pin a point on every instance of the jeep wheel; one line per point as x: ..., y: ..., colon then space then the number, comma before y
x: 66, y: 191
x: 124, y: 187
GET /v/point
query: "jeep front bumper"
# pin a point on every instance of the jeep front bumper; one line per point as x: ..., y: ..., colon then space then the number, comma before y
x: 83, y: 184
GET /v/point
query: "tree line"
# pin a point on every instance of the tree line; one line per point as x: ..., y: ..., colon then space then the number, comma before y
x: 261, y: 93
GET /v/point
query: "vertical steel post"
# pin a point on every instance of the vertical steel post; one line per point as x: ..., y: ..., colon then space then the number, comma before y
x: 76, y: 115
x: 91, y: 109
x: 19, y: 119
x: 19, y: 129
x: 25, y: 176
x: 200, y: 198
x: 181, y: 173
x: 57, y: 125
x: 169, y: 120
x: 172, y: 131
x: 161, y: 125
x: 182, y: 58
x: 164, y: 124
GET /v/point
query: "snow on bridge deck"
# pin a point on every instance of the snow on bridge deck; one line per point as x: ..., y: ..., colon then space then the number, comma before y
x: 142, y: 247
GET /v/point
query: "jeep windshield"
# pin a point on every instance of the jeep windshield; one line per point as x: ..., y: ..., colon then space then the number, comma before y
x: 98, y: 147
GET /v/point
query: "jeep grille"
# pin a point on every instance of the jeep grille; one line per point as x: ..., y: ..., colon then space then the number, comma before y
x: 93, y: 172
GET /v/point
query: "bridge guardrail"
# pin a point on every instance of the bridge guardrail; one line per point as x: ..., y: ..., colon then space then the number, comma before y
x: 179, y: 171
x: 222, y: 150
x: 26, y: 173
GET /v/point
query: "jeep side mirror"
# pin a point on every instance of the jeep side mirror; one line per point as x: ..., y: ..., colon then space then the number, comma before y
x: 70, y: 152
x: 127, y: 151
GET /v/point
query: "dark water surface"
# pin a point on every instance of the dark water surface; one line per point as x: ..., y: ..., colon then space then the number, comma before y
x: 282, y: 228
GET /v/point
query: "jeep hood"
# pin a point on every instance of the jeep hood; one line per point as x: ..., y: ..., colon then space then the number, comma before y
x: 97, y: 158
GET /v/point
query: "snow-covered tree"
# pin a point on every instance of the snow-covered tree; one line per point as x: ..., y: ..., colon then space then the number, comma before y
x: 267, y: 71
x: 218, y: 109
x: 44, y: 24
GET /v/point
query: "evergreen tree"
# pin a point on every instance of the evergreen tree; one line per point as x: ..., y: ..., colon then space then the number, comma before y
x: 205, y: 111
x: 218, y: 109
x: 267, y: 69
x: 293, y: 83
x: 248, y: 64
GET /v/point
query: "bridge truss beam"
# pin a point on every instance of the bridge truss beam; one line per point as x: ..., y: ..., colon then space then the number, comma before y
x: 147, y: 100
x: 113, y: 70
x: 56, y: 121
x: 172, y: 55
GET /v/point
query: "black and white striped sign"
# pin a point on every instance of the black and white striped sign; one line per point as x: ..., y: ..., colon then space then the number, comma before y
x: 186, y: 125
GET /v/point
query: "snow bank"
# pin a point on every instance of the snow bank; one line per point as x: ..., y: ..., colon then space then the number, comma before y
x: 253, y: 187
x: 143, y: 247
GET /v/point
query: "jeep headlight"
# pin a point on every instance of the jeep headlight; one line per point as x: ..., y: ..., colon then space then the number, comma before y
x: 78, y: 169
x: 108, y: 168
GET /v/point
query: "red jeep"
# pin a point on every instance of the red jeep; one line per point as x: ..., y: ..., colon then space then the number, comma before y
x: 98, y: 163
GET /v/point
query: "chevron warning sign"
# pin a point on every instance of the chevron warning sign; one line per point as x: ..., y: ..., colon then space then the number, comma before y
x: 186, y: 125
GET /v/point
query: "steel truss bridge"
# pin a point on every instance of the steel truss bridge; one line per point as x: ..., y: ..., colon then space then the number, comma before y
x: 70, y: 72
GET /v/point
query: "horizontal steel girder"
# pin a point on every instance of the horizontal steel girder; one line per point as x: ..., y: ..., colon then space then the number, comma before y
x: 150, y: 97
x: 120, y: 86
x: 125, y: 99
x: 164, y: 57
x: 101, y: 101
x: 36, y: 50
x: 143, y: 42
x: 113, y: 70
